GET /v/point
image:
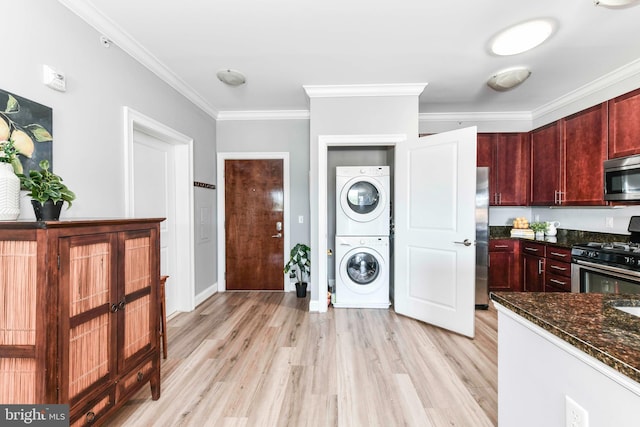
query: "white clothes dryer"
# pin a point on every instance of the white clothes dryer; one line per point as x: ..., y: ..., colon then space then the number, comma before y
x: 362, y: 272
x: 362, y: 200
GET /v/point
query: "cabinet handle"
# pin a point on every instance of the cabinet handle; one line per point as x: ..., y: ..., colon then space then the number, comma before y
x: 557, y: 254
x: 501, y: 246
x: 530, y: 249
x: 121, y: 304
x: 540, y: 266
x: 555, y: 267
x: 557, y: 282
x: 114, y: 308
x: 499, y: 198
x: 90, y: 417
x: 140, y: 376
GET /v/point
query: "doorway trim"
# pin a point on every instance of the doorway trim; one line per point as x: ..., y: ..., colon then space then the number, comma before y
x: 182, y: 147
x: 319, y: 235
x: 222, y: 250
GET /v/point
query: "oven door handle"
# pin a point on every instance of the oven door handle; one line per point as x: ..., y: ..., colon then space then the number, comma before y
x: 605, y: 267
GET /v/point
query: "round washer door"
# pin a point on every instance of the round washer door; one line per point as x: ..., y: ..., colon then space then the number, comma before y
x: 362, y: 199
x: 362, y: 270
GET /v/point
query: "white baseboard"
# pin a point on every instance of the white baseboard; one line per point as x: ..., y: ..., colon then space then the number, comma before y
x: 202, y: 296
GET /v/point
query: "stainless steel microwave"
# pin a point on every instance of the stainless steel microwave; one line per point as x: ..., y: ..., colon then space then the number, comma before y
x: 622, y: 178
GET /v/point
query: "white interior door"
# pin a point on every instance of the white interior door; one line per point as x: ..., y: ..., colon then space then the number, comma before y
x: 435, y: 184
x: 153, y: 186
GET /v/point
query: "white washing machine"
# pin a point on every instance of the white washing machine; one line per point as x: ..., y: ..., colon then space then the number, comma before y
x: 362, y: 272
x: 362, y: 200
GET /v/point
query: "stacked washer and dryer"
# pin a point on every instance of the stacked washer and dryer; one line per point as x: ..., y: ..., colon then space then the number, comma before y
x: 363, y: 209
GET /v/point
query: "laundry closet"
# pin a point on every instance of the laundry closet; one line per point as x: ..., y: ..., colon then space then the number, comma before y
x: 359, y: 223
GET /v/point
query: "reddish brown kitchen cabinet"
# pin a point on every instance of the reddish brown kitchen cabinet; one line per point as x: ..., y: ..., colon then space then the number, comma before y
x: 567, y: 157
x: 80, y: 324
x: 507, y: 156
x: 504, y: 266
x: 585, y: 150
x: 557, y: 269
x: 546, y: 158
x: 533, y: 267
x: 624, y: 125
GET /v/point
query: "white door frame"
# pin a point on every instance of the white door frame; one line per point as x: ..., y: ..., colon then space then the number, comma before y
x: 222, y: 250
x: 319, y: 235
x: 182, y: 147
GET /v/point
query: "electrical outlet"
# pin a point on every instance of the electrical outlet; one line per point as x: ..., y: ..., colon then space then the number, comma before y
x: 575, y: 415
x: 608, y: 222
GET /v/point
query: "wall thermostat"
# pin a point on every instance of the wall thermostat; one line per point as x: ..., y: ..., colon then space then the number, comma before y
x: 54, y: 79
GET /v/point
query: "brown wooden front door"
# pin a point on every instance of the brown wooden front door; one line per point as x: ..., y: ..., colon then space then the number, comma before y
x: 254, y: 204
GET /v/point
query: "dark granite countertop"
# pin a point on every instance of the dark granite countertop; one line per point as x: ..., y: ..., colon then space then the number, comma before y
x: 565, y: 238
x: 588, y: 321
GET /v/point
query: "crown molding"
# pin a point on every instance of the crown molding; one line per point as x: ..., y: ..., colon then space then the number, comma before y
x: 88, y: 13
x: 264, y: 115
x: 617, y: 76
x: 337, y: 91
x: 518, y: 116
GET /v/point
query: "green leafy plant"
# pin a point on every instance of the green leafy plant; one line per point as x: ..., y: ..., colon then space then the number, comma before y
x: 300, y: 261
x: 44, y: 185
x: 9, y: 154
x: 538, y: 226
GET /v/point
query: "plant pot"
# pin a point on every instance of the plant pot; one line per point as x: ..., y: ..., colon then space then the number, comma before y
x: 48, y: 211
x: 9, y: 193
x: 301, y: 290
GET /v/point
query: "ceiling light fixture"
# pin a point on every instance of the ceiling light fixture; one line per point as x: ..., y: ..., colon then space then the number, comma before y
x: 522, y: 37
x: 615, y: 4
x: 508, y: 79
x: 231, y: 77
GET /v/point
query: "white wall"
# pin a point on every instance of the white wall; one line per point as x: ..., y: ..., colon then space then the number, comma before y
x: 88, y: 148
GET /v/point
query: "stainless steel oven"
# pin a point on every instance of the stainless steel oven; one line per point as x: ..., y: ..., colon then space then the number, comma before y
x: 588, y: 276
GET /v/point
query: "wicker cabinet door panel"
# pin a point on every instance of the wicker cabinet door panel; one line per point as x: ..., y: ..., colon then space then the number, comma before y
x: 18, y: 319
x: 88, y: 302
x: 139, y: 324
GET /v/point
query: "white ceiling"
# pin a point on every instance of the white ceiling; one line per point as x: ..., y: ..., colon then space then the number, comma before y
x: 281, y: 45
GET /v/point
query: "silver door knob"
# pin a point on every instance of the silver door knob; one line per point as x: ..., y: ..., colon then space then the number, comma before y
x: 277, y: 236
x: 466, y: 242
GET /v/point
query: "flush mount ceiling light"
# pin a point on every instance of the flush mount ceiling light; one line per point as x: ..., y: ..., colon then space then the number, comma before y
x: 522, y: 37
x: 231, y: 77
x: 508, y: 79
x: 615, y: 4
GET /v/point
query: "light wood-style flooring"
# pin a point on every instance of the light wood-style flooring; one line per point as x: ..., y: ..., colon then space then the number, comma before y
x: 261, y: 359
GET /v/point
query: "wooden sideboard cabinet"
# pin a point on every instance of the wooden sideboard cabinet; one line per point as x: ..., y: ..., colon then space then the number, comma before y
x: 79, y: 313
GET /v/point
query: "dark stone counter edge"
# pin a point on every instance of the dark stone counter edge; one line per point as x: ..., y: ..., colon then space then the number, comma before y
x: 587, y: 348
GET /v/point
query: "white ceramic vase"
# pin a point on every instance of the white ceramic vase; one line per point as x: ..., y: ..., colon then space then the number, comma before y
x: 9, y: 193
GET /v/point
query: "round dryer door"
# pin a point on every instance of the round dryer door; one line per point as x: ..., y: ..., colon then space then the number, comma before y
x: 362, y: 199
x: 362, y: 270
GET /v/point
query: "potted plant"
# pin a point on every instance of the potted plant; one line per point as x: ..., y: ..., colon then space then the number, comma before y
x: 539, y: 228
x: 47, y: 192
x: 300, y: 262
x: 9, y: 182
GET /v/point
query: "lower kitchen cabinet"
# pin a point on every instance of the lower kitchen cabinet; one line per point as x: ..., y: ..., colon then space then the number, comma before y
x: 504, y: 268
x: 533, y: 267
x: 81, y: 325
x: 557, y: 270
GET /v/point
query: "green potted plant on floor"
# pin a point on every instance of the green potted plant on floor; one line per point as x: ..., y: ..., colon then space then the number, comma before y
x: 300, y: 262
x: 47, y: 192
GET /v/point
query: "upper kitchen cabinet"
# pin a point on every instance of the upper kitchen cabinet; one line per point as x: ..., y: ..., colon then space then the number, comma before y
x: 585, y: 150
x: 507, y: 156
x: 546, y: 158
x: 624, y: 125
x: 567, y: 158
